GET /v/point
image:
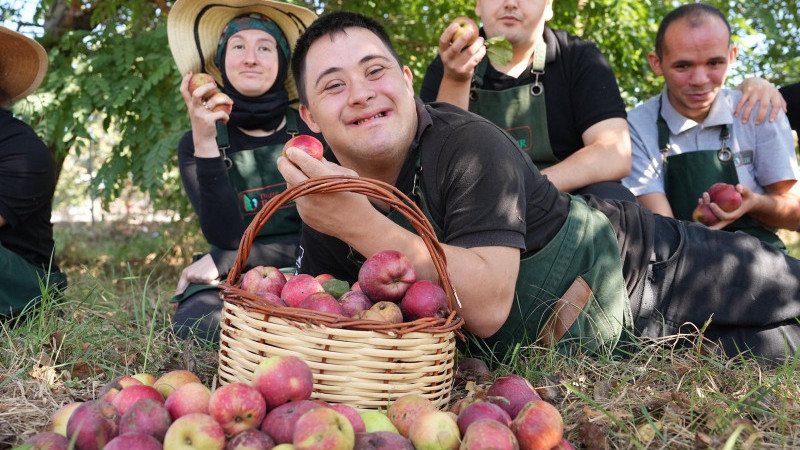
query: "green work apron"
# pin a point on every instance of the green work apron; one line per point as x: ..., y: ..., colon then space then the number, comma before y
x: 586, y: 247
x: 520, y: 110
x: 688, y: 175
x: 254, y: 176
x: 21, y: 283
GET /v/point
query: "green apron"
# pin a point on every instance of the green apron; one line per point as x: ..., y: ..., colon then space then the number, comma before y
x: 688, y: 175
x: 586, y: 247
x: 21, y: 282
x: 255, y: 178
x: 520, y: 110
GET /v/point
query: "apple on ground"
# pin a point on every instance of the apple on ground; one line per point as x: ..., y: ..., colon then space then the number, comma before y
x: 262, y: 279
x: 145, y: 378
x: 472, y: 369
x: 435, y: 430
x: 279, y: 422
x: 309, y: 144
x: 110, y: 390
x: 134, y: 441
x: 237, y: 407
x: 377, y: 421
x: 59, y: 419
x: 48, y: 440
x: 465, y: 24
x: 538, y: 426
x: 725, y: 196
x: 563, y: 445
x: 353, y: 302
x: 352, y: 415
x: 481, y: 410
x: 322, y: 302
x: 195, y: 431
x: 147, y: 416
x: 460, y: 404
x: 187, y: 399
x: 406, y: 410
x: 93, y: 424
x: 424, y: 298
x: 511, y: 392
x: 323, y: 429
x: 283, y: 378
x: 298, y: 288
x: 382, y: 440
x: 174, y: 379
x: 283, y: 447
x: 703, y: 214
x: 131, y: 394
x: 252, y: 439
x: 386, y: 276
x: 489, y: 433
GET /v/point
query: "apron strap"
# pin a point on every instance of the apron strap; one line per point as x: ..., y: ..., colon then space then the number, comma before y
x: 537, y: 69
x: 724, y: 153
x: 223, y: 143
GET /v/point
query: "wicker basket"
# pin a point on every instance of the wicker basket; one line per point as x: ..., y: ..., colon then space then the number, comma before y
x: 362, y: 363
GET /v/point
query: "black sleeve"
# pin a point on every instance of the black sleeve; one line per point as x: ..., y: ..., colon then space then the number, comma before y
x: 430, y: 83
x: 791, y: 94
x: 26, y: 175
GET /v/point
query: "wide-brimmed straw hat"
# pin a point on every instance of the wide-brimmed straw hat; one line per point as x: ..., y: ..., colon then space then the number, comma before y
x: 23, y: 63
x: 194, y: 28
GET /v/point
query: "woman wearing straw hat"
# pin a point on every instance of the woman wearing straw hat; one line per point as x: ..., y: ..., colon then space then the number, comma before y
x: 228, y: 161
x: 27, y: 183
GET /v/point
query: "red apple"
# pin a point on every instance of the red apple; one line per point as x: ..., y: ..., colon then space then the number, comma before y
x: 386, y: 276
x: 511, y: 393
x: 464, y: 24
x: 703, y: 214
x: 424, y: 299
x: 59, y: 419
x: 200, y: 79
x: 47, y: 440
x: 306, y: 143
x: 279, y: 423
x: 406, y: 410
x: 538, y: 426
x: 187, y: 399
x: 110, y: 390
x: 481, y: 410
x: 563, y: 445
x: 488, y: 433
x: 250, y: 440
x: 323, y: 302
x: 237, y: 407
x: 435, y: 429
x: 131, y: 394
x: 353, y: 302
x: 356, y: 287
x: 283, y: 378
x: 222, y: 102
x: 725, y: 196
x: 95, y: 423
x: 174, y: 379
x: 323, y: 429
x: 195, y: 431
x: 298, y: 288
x: 382, y: 440
x: 137, y: 441
x: 263, y: 279
x: 352, y: 415
x: 147, y: 416
x: 323, y: 277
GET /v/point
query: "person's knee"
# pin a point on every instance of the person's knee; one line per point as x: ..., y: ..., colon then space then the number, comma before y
x: 198, y: 317
x: 608, y: 190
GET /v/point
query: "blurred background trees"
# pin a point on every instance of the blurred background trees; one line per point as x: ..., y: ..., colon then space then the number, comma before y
x: 110, y: 107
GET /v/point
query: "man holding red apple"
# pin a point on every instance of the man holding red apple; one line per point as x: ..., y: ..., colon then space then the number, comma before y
x: 687, y: 139
x: 529, y: 263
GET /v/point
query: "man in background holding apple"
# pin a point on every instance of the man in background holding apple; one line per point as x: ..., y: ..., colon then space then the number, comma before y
x: 528, y: 262
x: 238, y: 92
x: 687, y: 139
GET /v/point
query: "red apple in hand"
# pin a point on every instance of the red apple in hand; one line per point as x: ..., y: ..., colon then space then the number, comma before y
x: 386, y: 276
x: 424, y: 299
x: 200, y: 79
x: 224, y: 102
x: 306, y: 143
x: 725, y: 196
x: 465, y: 23
x: 703, y: 214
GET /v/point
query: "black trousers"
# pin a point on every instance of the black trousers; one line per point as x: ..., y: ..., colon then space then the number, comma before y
x: 748, y: 289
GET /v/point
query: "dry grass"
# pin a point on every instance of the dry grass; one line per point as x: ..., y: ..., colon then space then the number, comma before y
x: 115, y: 320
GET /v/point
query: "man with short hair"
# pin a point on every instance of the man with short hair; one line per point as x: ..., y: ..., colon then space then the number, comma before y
x: 686, y: 138
x: 529, y: 263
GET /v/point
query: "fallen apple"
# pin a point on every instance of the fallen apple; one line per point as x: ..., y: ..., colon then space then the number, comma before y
x: 47, y: 440
x: 404, y: 411
x: 489, y: 433
x: 434, y: 430
x: 174, y: 379
x: 309, y: 144
x: 195, y: 431
x: 93, y: 424
x: 147, y: 416
x: 481, y: 410
x: 112, y: 388
x: 538, y: 426
x: 511, y: 392
x: 352, y: 415
x: 283, y: 378
x: 382, y: 440
x: 138, y: 441
x: 472, y: 369
x: 132, y: 394
x: 59, y: 419
x: 386, y: 276
x: 377, y: 421
x: 323, y: 429
x: 187, y: 399
x: 237, y: 407
x: 250, y: 440
x: 279, y: 422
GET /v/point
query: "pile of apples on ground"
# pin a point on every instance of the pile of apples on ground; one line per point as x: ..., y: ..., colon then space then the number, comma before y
x: 275, y: 411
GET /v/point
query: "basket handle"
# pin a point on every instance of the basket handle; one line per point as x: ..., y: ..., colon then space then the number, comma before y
x: 346, y: 183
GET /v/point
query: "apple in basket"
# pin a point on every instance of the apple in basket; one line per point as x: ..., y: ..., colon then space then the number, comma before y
x: 283, y: 378
x: 323, y: 302
x: 264, y: 279
x: 424, y: 299
x: 538, y: 425
x: 309, y: 144
x: 388, y: 312
x: 353, y: 302
x: 386, y: 276
x: 298, y: 288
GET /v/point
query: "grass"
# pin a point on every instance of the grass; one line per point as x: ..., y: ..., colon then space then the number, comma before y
x: 115, y: 320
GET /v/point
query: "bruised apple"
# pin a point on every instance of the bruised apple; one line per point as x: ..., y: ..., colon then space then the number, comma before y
x: 407, y: 409
x: 195, y: 431
x: 250, y: 440
x: 386, y: 276
x: 352, y: 415
x: 381, y: 440
x: 538, y: 426
x: 146, y: 416
x: 279, y: 422
x: 93, y: 424
x: 309, y: 144
x: 725, y: 196
x: 138, y: 441
x: 481, y: 410
x: 464, y: 24
x: 353, y: 302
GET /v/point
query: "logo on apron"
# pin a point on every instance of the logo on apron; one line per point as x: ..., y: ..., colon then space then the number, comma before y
x: 523, y: 135
x: 253, y: 199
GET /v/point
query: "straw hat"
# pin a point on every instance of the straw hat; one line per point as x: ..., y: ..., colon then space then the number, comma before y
x: 194, y: 28
x: 23, y: 63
